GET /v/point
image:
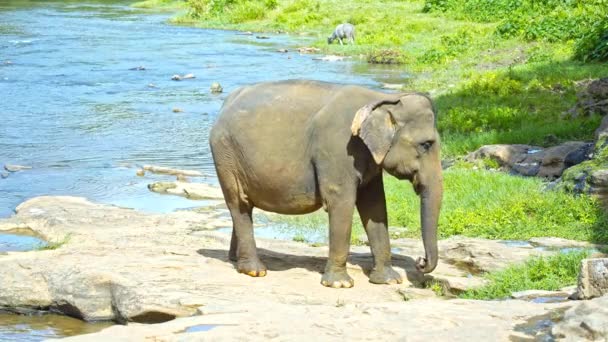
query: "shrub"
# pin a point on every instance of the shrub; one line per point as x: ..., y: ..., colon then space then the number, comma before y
x: 246, y: 11
x: 593, y: 46
x: 386, y: 56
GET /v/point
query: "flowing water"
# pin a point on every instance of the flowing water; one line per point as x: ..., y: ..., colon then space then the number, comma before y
x: 72, y: 109
x: 76, y: 107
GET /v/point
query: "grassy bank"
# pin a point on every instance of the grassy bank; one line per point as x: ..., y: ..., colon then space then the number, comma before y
x: 494, y: 205
x: 503, y: 71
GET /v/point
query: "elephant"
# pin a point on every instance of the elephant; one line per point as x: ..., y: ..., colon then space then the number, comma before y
x: 294, y: 146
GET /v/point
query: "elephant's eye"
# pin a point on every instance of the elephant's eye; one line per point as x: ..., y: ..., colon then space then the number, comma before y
x: 425, y: 146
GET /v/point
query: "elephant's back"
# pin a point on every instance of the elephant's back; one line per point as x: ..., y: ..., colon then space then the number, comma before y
x: 293, y: 99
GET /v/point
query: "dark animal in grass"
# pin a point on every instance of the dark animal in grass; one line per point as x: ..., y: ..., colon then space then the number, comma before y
x: 292, y: 147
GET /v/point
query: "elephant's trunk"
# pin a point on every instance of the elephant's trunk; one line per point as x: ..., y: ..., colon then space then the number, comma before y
x: 431, y: 192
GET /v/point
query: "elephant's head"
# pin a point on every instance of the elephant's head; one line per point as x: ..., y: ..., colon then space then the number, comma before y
x: 401, y: 135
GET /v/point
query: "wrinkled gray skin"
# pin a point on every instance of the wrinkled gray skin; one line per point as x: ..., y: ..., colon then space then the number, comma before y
x: 292, y: 147
x: 343, y: 31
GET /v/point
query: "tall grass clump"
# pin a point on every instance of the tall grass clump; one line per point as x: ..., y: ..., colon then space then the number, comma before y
x: 234, y: 11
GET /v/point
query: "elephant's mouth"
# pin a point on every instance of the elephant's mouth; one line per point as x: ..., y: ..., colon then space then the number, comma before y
x: 418, y: 187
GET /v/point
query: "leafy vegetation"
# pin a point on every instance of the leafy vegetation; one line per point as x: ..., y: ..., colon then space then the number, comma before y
x: 495, y: 205
x: 550, y: 273
x: 552, y: 20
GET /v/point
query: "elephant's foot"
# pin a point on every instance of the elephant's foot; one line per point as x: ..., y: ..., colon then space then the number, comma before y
x: 251, y: 267
x: 337, y: 279
x: 385, y: 275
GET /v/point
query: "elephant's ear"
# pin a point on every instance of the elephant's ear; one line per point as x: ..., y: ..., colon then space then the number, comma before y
x: 376, y: 128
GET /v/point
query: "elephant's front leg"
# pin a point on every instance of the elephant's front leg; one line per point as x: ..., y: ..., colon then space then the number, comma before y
x: 340, y: 223
x: 371, y: 205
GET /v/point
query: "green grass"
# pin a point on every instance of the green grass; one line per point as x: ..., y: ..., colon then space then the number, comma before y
x: 480, y: 203
x: 550, y: 273
x: 52, y: 245
x: 168, y: 5
x: 494, y: 205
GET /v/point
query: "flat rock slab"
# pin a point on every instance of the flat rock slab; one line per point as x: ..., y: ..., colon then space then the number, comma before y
x: 420, y: 320
x: 195, y: 191
x: 120, y: 264
x: 586, y: 321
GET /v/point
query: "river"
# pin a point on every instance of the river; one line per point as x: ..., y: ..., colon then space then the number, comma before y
x: 72, y: 108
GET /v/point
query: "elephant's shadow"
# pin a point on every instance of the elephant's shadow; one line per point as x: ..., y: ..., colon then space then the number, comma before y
x: 276, y: 261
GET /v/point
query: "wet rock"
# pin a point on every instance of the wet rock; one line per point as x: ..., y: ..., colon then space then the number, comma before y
x: 283, y: 50
x: 177, y: 110
x: 330, y: 58
x: 171, y: 171
x: 262, y: 37
x: 140, y: 173
x: 16, y: 168
x: 246, y: 33
x: 533, y: 294
x: 392, y: 86
x: 586, y: 321
x: 4, y: 174
x: 556, y: 159
x: 182, y: 77
x: 592, y: 99
x: 194, y: 191
x: 593, y: 278
x: 139, y: 68
x: 529, y: 160
x: 305, y: 50
x: 216, y: 88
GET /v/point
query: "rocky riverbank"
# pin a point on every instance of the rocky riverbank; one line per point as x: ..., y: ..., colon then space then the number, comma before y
x: 131, y: 267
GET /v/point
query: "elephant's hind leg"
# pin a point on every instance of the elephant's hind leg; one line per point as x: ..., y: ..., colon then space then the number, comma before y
x: 242, y: 244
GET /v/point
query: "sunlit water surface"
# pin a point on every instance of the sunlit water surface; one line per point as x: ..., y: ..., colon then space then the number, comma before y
x: 71, y: 108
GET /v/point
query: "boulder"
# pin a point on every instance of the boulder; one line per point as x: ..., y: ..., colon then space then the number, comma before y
x: 602, y: 131
x: 216, y: 88
x: 591, y: 99
x: 527, y: 160
x: 591, y: 176
x: 16, y: 168
x: 593, y: 278
x: 586, y: 321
